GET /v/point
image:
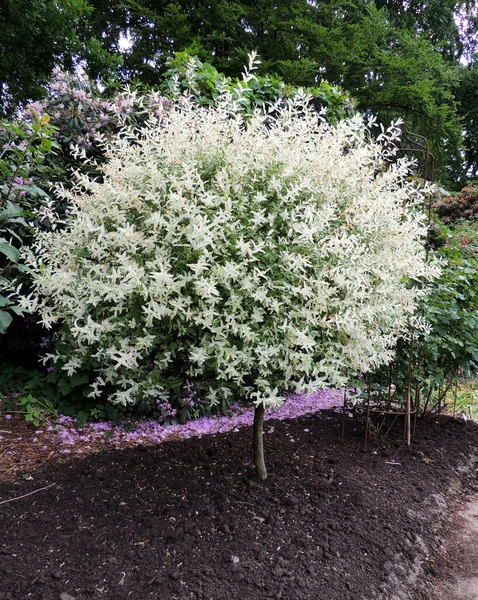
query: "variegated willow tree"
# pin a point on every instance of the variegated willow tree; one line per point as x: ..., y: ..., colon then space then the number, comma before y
x: 234, y: 255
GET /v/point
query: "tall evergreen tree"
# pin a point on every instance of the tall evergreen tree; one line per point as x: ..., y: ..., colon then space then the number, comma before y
x: 400, y: 58
x: 36, y: 36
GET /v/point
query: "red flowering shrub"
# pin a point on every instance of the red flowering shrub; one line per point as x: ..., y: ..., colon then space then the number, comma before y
x: 463, y: 205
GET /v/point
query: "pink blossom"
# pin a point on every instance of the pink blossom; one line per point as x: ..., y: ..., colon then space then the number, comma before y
x: 153, y: 432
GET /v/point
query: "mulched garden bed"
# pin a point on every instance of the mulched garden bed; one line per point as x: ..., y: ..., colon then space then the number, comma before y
x: 188, y: 520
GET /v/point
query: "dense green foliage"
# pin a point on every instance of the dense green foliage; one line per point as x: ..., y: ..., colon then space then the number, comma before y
x: 396, y: 58
x: 467, y: 98
x: 35, y: 36
x: 449, y: 350
x: 23, y: 170
x: 41, y: 394
x: 296, y: 38
x: 188, y: 74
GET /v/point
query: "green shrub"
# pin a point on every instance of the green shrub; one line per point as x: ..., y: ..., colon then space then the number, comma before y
x: 200, y: 80
x: 23, y: 204
x: 449, y: 349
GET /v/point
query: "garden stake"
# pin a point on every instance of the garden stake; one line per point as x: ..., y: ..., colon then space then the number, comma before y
x: 416, y: 405
x: 368, y: 408
x: 406, y: 433
x: 456, y: 395
x: 343, y: 414
x: 417, y: 392
x: 389, y: 407
x: 439, y: 406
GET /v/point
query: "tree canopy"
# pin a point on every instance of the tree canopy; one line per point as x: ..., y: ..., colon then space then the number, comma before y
x: 36, y: 36
x: 412, y: 59
x: 398, y: 59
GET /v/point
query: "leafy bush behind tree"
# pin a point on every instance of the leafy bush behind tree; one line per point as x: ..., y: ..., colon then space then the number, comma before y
x: 24, y: 147
x: 448, y: 350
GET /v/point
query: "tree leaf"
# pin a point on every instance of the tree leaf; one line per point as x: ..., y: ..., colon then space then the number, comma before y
x: 78, y: 379
x: 11, y: 211
x: 10, y: 251
x: 5, y: 320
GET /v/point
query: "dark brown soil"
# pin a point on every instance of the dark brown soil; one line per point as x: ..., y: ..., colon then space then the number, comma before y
x: 188, y: 520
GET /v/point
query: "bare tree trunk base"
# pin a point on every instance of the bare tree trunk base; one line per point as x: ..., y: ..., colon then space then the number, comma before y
x: 258, y: 445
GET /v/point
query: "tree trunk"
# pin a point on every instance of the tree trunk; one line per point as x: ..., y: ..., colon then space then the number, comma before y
x: 258, y: 445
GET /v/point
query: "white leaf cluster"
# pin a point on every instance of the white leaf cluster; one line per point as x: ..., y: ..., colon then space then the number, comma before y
x: 246, y: 255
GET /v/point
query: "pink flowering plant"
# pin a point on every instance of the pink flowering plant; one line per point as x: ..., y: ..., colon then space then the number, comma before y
x: 84, y: 118
x: 233, y: 256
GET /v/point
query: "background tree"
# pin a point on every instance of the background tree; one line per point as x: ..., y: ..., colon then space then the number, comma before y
x: 35, y: 36
x: 466, y: 93
x: 449, y: 24
x: 398, y: 59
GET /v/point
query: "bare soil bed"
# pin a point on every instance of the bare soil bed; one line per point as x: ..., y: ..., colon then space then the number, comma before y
x: 187, y: 519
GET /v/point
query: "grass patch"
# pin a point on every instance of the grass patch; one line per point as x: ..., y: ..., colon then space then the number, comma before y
x: 466, y: 399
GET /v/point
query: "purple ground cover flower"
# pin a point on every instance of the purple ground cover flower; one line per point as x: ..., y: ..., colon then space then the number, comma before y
x: 152, y: 432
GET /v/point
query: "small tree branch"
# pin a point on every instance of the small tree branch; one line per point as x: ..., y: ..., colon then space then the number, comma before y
x: 29, y: 494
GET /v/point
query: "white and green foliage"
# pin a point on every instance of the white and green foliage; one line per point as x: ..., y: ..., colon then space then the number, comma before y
x: 235, y: 256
